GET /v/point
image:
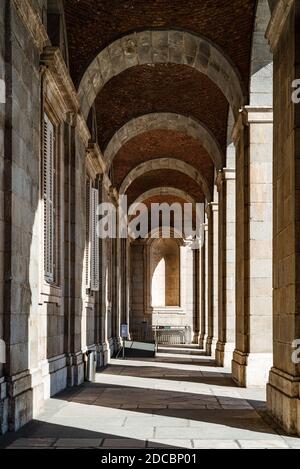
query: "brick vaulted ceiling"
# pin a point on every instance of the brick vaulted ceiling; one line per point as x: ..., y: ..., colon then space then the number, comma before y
x: 164, y: 178
x: 160, y: 88
x: 161, y: 144
x: 94, y: 24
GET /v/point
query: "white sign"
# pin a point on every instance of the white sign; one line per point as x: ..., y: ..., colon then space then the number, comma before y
x: 124, y: 331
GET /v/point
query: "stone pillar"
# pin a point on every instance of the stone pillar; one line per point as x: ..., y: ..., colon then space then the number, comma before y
x: 196, y: 290
x: 203, y: 277
x: 253, y: 139
x: 226, y: 303
x: 123, y: 274
x: 283, y: 390
x: 209, y: 283
x: 215, y: 214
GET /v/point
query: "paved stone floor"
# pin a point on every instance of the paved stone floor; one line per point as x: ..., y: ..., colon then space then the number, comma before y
x: 180, y: 399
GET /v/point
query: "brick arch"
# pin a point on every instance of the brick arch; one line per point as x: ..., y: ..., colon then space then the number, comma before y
x: 163, y: 46
x: 169, y: 121
x: 163, y: 191
x: 166, y: 163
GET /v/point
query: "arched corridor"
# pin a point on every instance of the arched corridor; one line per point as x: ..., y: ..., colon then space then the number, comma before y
x: 149, y: 166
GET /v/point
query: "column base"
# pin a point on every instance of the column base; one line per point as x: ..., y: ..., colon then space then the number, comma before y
x: 202, y: 341
x: 283, y: 400
x: 214, y: 348
x: 195, y: 339
x: 3, y: 407
x: 251, y: 369
x: 208, y: 345
x: 224, y: 354
x: 106, y: 354
x: 20, y: 400
x: 100, y: 356
x: 75, y: 369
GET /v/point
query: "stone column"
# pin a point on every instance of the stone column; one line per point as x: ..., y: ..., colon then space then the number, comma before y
x: 253, y: 139
x: 203, y: 277
x: 226, y: 303
x: 209, y: 283
x: 187, y: 292
x: 196, y: 290
x: 215, y: 212
x: 283, y: 390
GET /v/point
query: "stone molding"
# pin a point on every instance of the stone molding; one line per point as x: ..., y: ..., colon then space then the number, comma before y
x: 214, y: 206
x: 257, y: 115
x: 229, y: 174
x: 165, y: 121
x: 226, y: 174
x: 83, y: 130
x: 249, y: 115
x: 166, y: 163
x: 162, y: 46
x: 211, y: 207
x: 52, y: 60
x: 94, y: 161
x: 33, y: 23
x: 277, y: 22
x: 285, y: 383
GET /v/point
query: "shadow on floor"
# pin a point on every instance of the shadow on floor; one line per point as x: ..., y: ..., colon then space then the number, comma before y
x: 169, y: 401
x: 43, y: 435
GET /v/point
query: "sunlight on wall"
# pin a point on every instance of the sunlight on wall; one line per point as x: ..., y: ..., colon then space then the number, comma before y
x: 158, y: 290
x: 165, y: 273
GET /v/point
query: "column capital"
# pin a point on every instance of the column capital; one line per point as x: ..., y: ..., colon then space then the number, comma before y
x: 225, y: 174
x: 277, y: 22
x: 249, y: 115
x: 258, y: 114
x: 211, y: 207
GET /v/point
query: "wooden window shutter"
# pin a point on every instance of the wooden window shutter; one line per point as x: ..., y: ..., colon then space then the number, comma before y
x: 49, y: 199
x: 94, y: 241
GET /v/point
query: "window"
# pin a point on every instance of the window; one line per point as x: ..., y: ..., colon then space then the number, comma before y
x: 50, y: 198
x: 92, y: 242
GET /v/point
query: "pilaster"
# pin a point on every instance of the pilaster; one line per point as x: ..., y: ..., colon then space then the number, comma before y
x: 253, y: 136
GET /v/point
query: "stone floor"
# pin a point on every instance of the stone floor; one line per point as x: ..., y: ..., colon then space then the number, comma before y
x: 180, y: 399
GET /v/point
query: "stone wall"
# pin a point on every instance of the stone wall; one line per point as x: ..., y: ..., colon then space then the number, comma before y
x: 3, y: 400
x: 283, y: 388
x: 21, y: 169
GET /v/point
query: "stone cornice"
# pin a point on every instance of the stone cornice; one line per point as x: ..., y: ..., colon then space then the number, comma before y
x: 277, y: 22
x: 33, y: 23
x: 95, y: 163
x: 54, y: 63
x: 83, y: 130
